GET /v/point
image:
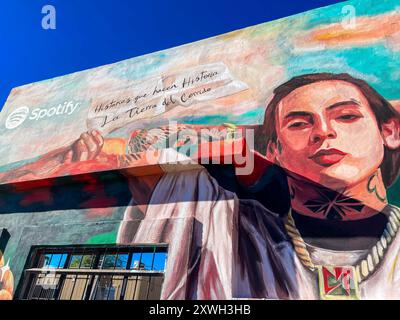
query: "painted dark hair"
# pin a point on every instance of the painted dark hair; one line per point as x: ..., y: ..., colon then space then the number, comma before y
x: 381, y: 108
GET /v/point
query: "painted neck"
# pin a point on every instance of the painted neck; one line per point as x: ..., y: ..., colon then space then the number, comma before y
x: 353, y: 203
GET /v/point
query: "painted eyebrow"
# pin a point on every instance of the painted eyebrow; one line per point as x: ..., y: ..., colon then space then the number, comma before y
x: 298, y: 114
x: 343, y: 103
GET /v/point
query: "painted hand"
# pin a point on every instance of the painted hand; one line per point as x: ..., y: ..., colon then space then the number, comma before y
x: 87, y: 147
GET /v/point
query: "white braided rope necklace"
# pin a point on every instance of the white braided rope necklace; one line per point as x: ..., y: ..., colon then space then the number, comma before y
x: 365, y: 266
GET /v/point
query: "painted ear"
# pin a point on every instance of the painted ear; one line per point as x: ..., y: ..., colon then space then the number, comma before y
x: 391, y: 133
x: 272, y: 152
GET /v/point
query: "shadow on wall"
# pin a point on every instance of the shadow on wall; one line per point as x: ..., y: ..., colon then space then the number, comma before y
x: 96, y: 190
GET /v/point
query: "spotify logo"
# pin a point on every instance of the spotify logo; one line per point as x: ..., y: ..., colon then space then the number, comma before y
x: 17, y: 117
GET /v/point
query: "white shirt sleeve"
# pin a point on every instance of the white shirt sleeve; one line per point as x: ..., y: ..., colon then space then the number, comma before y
x: 190, y: 212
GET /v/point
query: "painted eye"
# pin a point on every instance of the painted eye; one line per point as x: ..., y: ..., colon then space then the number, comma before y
x: 348, y: 117
x: 299, y: 124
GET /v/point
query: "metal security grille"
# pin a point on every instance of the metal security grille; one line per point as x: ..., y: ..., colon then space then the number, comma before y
x: 95, y: 273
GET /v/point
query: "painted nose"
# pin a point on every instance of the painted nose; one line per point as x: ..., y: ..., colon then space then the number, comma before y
x: 322, y: 132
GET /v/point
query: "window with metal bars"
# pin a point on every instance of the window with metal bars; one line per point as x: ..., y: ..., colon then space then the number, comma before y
x: 95, y: 273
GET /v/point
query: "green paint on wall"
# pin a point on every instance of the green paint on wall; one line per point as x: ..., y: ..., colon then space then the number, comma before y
x: 103, y: 238
x: 381, y: 72
x: 335, y: 13
x: 393, y: 194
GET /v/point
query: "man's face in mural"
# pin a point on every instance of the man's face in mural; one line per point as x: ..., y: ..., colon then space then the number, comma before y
x: 328, y: 133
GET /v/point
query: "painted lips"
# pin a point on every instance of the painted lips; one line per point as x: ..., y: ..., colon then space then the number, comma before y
x: 328, y: 157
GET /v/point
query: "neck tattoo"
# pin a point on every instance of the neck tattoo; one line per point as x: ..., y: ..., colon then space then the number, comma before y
x: 333, y: 205
x: 361, y: 201
x: 372, y: 187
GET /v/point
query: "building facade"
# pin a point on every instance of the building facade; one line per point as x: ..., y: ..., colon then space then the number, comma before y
x: 261, y: 163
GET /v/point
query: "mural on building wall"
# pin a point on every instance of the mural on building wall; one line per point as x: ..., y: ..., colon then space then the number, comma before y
x: 266, y: 158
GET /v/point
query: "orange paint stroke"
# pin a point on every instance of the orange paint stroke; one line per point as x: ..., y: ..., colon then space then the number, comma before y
x: 366, y: 30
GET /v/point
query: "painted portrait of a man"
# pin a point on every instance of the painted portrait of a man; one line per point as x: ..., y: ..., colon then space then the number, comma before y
x: 328, y: 151
x: 337, y: 141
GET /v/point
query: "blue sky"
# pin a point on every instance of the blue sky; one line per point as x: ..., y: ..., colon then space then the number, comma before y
x: 91, y: 33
